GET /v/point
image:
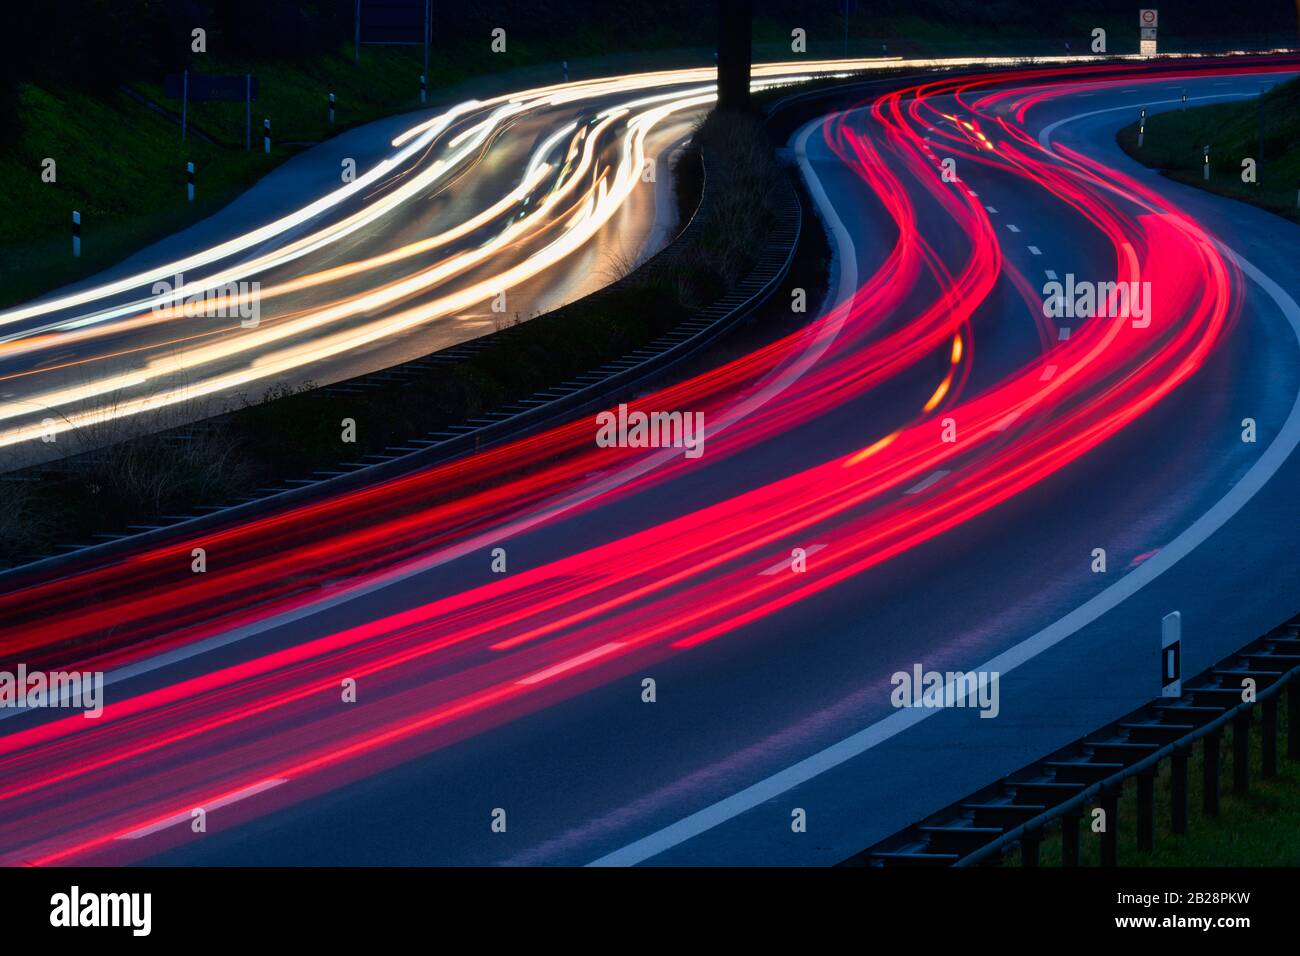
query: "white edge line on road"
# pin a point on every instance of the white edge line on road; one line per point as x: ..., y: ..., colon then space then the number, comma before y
x: 882, y: 730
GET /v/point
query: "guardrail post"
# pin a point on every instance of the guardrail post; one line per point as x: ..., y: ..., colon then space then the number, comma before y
x: 1293, y: 720
x: 1070, y: 839
x: 1268, y: 750
x: 1211, y: 776
x: 1029, y: 848
x: 1110, y: 835
x: 1178, y: 791
x: 1241, y: 752
x: 1146, y: 809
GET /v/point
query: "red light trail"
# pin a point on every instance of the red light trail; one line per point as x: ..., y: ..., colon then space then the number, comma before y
x: 263, y: 733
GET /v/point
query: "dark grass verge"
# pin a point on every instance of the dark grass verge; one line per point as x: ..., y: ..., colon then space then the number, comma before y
x: 1266, y: 130
x: 1259, y: 828
x: 289, y: 434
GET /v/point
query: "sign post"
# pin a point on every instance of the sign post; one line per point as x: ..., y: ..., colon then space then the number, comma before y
x: 1148, y: 22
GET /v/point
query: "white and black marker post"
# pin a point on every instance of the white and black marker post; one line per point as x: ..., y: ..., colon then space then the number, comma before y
x: 189, y: 181
x: 266, y: 135
x: 564, y: 65
x: 1142, y: 127
x: 423, y: 86
x: 76, y: 234
x: 1171, y: 654
x: 1184, y: 100
x: 1206, y: 150
x: 331, y: 109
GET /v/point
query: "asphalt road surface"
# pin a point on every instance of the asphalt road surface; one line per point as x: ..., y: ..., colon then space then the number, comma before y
x: 947, y: 458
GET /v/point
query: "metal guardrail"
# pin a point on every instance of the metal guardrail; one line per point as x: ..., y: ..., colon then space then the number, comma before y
x: 590, y: 391
x: 1092, y: 772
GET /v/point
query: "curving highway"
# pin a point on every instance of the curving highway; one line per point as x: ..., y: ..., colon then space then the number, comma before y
x: 946, y: 454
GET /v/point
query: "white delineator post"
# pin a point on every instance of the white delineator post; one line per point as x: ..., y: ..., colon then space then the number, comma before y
x: 1171, y: 655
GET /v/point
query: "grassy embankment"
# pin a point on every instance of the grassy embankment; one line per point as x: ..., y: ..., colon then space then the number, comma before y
x: 1260, y: 828
x: 1174, y: 143
x: 123, y: 166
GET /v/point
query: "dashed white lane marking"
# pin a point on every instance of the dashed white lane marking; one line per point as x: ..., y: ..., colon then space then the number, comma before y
x: 1035, y: 250
x: 1050, y: 274
x: 924, y: 483
x: 991, y: 209
x: 185, y: 815
x: 1007, y: 422
x: 783, y: 565
x: 1013, y: 228
x: 571, y: 663
x: 1048, y: 372
x: 1063, y: 333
